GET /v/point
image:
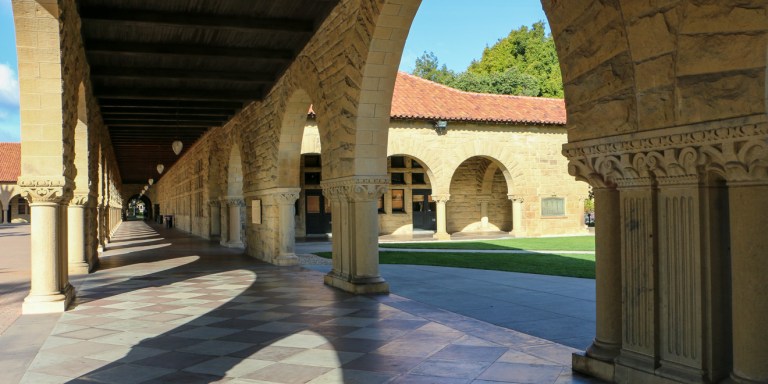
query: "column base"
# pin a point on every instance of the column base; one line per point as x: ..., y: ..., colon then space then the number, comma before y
x: 603, y: 351
x: 81, y: 268
x: 234, y: 244
x: 287, y: 260
x: 441, y: 236
x: 514, y: 233
x: 591, y: 366
x: 55, y: 303
x: 359, y: 286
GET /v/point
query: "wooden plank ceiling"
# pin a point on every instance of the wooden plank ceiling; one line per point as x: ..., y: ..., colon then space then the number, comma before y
x: 170, y: 70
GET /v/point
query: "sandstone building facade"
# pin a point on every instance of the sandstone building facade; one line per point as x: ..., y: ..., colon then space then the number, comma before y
x: 666, y: 107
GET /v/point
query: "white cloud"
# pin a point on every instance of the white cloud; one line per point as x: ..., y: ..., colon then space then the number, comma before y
x: 9, y: 86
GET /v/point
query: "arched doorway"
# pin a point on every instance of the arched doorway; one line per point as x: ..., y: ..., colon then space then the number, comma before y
x: 138, y: 207
x: 18, y: 211
x: 234, y: 201
x: 479, y: 198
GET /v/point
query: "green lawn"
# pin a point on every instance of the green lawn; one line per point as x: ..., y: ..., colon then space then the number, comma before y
x: 568, y: 243
x: 538, y: 263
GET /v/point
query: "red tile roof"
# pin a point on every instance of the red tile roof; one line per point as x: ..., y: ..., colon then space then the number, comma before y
x: 10, y: 162
x: 420, y: 99
x: 417, y: 98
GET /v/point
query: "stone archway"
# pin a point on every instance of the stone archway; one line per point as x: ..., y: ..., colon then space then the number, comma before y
x: 479, y: 199
x: 232, y: 236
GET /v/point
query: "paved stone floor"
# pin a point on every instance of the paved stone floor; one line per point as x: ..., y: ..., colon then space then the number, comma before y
x: 14, y: 271
x: 169, y: 308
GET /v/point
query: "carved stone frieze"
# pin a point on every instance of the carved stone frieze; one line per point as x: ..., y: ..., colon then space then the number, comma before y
x: 737, y: 154
x: 45, y: 189
x: 355, y: 188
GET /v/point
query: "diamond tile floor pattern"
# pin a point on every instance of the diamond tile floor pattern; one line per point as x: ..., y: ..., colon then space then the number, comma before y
x: 165, y: 307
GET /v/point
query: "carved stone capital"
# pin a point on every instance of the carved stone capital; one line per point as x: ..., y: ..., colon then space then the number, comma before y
x: 214, y: 203
x: 674, y: 156
x: 441, y: 198
x: 79, y: 199
x: 235, y: 202
x: 281, y: 196
x: 516, y: 198
x: 355, y: 188
x: 45, y: 189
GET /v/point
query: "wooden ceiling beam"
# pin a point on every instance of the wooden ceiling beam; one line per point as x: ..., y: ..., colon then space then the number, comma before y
x: 180, y: 74
x: 179, y: 94
x: 169, y: 104
x: 120, y: 112
x: 161, y: 123
x: 131, y: 17
x: 138, y: 49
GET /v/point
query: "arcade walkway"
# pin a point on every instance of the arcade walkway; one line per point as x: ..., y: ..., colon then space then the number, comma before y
x: 165, y: 308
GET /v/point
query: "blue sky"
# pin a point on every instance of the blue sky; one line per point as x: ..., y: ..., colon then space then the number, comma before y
x: 455, y: 30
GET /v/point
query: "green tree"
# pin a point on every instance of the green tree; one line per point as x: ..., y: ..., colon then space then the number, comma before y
x: 523, y: 63
x: 531, y: 52
x: 428, y: 67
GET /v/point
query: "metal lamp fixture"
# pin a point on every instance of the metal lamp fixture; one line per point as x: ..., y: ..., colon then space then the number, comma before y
x: 177, y: 147
x: 160, y: 168
x: 441, y: 126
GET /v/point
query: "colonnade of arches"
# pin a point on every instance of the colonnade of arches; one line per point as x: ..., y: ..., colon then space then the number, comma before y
x: 659, y: 99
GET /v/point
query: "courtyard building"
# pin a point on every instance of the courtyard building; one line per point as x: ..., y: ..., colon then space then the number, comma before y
x: 666, y: 120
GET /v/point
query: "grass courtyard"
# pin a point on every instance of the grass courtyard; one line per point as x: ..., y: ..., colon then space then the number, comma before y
x: 551, y: 263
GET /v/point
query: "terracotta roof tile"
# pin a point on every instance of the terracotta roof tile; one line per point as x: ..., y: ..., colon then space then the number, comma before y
x: 417, y: 98
x: 10, y: 162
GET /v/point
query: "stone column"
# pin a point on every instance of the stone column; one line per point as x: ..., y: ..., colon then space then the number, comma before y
x: 235, y: 222
x: 638, y: 207
x: 224, y: 222
x: 50, y: 290
x: 215, y: 217
x: 607, y: 276
x: 286, y: 198
x: 517, y: 216
x: 749, y: 265
x: 355, y: 233
x: 76, y: 243
x: 442, y: 231
x: 484, y: 211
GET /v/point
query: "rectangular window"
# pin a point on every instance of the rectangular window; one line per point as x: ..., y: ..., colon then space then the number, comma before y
x: 552, y: 206
x: 397, y: 162
x: 417, y: 178
x: 398, y: 200
x: 312, y: 178
x: 398, y: 178
x: 22, y: 206
x: 313, y: 204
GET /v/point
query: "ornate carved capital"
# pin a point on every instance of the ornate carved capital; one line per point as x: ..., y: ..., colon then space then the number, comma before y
x: 214, y: 203
x: 45, y: 189
x: 441, y: 198
x: 355, y: 188
x: 280, y: 196
x: 79, y: 199
x: 235, y: 202
x: 516, y: 198
x: 675, y: 156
